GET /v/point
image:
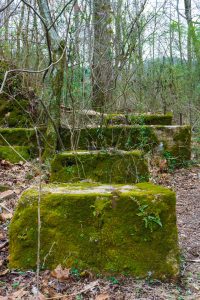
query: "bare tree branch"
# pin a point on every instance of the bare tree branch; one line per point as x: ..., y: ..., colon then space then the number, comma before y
x: 4, y: 8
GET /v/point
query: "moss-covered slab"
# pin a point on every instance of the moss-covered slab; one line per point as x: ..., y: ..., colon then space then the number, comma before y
x: 142, y: 119
x: 100, y: 166
x: 176, y: 142
x: 18, y: 136
x: 14, y: 154
x: 108, y: 229
x: 174, y: 139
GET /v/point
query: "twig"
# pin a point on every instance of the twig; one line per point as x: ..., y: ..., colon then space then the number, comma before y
x: 193, y: 260
x: 13, y: 148
x: 4, y: 245
x: 85, y: 289
x: 39, y: 216
x: 3, y: 8
x: 4, y: 207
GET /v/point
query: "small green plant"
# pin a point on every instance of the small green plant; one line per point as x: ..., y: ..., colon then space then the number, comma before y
x: 113, y: 280
x: 149, y: 219
x: 75, y: 272
x: 171, y: 160
x: 15, y: 284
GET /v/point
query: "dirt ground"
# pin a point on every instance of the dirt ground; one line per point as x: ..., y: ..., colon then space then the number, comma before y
x: 74, y: 286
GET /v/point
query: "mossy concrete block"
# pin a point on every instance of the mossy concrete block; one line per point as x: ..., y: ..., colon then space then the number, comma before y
x: 108, y: 229
x: 175, y: 139
x: 142, y: 119
x: 122, y: 137
x: 100, y: 166
x: 18, y: 136
x: 15, y: 154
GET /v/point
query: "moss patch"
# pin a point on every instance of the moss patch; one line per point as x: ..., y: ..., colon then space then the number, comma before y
x: 119, y: 137
x: 18, y: 136
x: 15, y: 154
x: 14, y: 112
x: 100, y: 228
x: 177, y: 144
x: 17, y: 108
x: 100, y: 166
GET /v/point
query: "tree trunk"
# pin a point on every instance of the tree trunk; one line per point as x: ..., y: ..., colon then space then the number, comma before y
x: 102, y: 76
x: 56, y: 75
x: 188, y: 15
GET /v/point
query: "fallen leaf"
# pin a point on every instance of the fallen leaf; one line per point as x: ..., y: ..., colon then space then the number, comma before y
x: 5, y: 216
x: 104, y: 296
x: 60, y: 273
x: 4, y: 272
x: 18, y: 295
x: 38, y: 297
x: 17, y: 191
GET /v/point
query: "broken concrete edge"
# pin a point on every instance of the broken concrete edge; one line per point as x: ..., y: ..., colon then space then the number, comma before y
x: 108, y: 166
x: 107, y: 229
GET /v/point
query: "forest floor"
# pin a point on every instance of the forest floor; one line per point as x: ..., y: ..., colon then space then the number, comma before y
x: 74, y: 286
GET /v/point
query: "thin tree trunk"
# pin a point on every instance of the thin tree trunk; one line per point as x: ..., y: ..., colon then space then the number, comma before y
x: 56, y: 81
x: 102, y: 55
x: 188, y: 14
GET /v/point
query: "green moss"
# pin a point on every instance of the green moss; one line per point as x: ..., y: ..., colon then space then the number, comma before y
x: 20, y: 136
x: 15, y: 153
x: 176, y: 139
x: 119, y: 137
x: 179, y: 153
x: 17, y: 136
x: 100, y: 166
x: 98, y: 229
x: 14, y: 112
x: 182, y: 147
x: 15, y: 108
x: 14, y: 79
x: 143, y: 119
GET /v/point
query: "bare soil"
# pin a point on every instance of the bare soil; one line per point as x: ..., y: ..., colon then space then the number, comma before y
x: 22, y: 285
